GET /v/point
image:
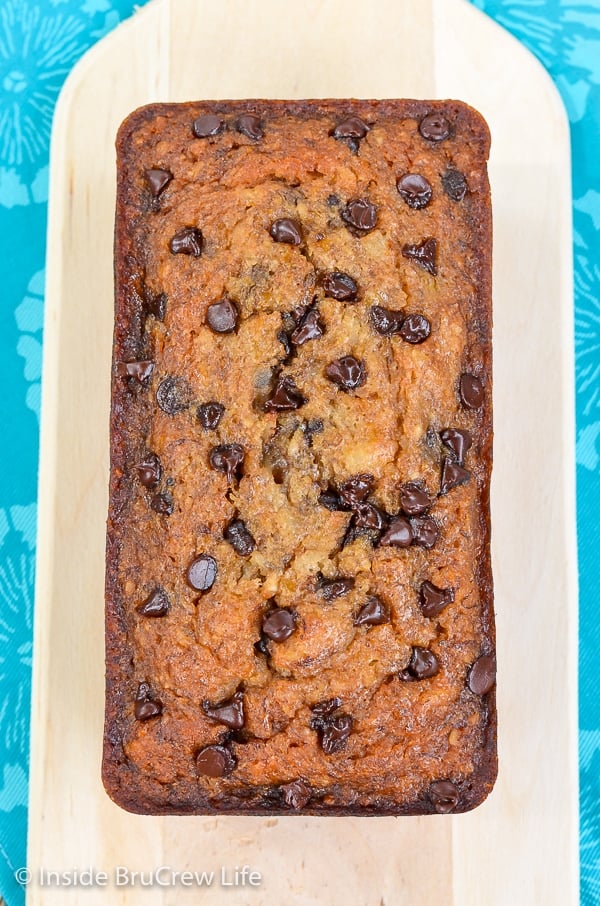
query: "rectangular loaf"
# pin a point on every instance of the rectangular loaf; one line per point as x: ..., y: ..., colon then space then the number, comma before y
x: 298, y: 589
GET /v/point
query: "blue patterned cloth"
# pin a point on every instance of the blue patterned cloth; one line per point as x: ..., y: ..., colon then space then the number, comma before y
x: 40, y: 41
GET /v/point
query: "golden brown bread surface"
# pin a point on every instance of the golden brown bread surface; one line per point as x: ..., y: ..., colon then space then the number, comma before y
x: 274, y: 259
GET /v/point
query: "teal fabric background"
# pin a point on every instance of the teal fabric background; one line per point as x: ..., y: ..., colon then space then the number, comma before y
x: 40, y: 41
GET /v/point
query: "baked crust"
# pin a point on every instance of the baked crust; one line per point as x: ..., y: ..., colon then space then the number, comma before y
x: 407, y: 733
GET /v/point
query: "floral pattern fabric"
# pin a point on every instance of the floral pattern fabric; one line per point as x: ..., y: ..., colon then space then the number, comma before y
x: 40, y: 41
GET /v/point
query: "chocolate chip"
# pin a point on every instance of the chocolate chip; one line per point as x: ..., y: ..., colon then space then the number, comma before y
x: 351, y: 131
x: 323, y: 710
x: 415, y: 329
x: 373, y: 613
x: 149, y: 470
x: 398, y: 534
x: 455, y: 185
x: 286, y: 230
x: 285, y: 397
x: 415, y: 190
x: 335, y: 733
x: 471, y: 391
x: 453, y: 475
x: 208, y: 124
x: 222, y: 316
x: 444, y: 796
x: 385, y: 321
x: 202, y: 572
x: 158, y: 180
x: 283, y: 338
x: 210, y: 414
x: 434, y: 127
x: 356, y: 489
x: 347, y: 372
x: 262, y: 647
x: 157, y: 604
x: 331, y: 589
x: 459, y: 441
x: 250, y: 125
x: 188, y: 241
x: 340, y: 286
x: 138, y: 371
x: 143, y: 691
x: 215, y: 761
x: 353, y: 127
x: 144, y: 710
x: 173, y: 395
x: 432, y: 599
x: 296, y: 794
x: 310, y: 328
x: 361, y: 214
x: 230, y: 712
x: 146, y: 706
x: 334, y: 729
x: 332, y: 501
x: 424, y: 253
x: 228, y: 458
x: 332, y: 200
x: 425, y: 531
x: 278, y: 625
x: 298, y: 312
x: 156, y: 305
x: 163, y: 504
x: 240, y: 538
x: 482, y: 674
x: 414, y: 499
x: 369, y: 516
x: 423, y: 663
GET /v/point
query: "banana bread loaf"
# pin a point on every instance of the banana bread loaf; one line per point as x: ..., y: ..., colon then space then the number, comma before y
x: 299, y: 595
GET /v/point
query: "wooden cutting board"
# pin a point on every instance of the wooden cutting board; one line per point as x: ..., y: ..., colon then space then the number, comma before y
x: 521, y: 846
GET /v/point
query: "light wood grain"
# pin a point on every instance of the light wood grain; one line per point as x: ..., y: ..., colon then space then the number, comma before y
x: 520, y: 847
